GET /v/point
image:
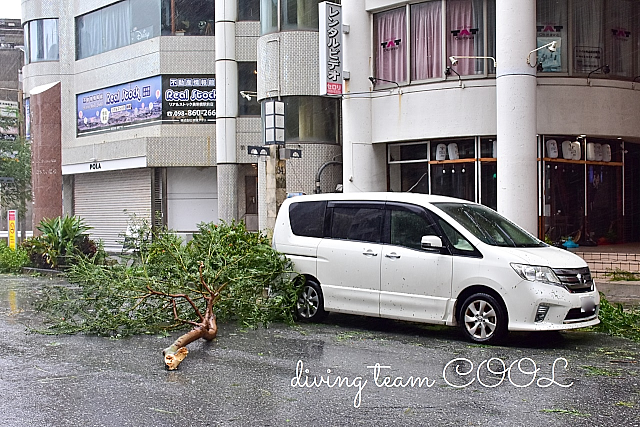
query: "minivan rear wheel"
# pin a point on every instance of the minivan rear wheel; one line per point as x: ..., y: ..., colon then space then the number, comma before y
x: 310, y: 305
x: 483, y: 319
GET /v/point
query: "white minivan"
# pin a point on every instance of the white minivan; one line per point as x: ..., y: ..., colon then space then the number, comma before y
x: 431, y: 259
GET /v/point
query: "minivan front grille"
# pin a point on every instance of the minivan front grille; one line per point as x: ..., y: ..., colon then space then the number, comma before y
x: 576, y: 280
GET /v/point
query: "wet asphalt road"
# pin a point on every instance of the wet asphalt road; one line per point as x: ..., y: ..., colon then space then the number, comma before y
x: 262, y: 377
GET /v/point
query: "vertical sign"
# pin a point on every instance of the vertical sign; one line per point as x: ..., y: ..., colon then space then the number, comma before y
x: 330, y: 48
x: 12, y: 228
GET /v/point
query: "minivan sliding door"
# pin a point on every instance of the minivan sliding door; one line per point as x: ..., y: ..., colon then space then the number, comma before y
x: 415, y: 283
x: 349, y: 258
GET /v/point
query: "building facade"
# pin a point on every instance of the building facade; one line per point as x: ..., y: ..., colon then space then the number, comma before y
x: 151, y: 120
x: 530, y: 107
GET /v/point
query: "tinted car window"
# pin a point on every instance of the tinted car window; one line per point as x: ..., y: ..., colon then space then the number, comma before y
x: 307, y: 219
x: 488, y: 226
x: 355, y: 223
x: 407, y: 228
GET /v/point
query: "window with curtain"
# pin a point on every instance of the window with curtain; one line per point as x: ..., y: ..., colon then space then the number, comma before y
x: 426, y: 40
x: 390, y: 47
x: 117, y: 25
x: 619, y: 23
x: 491, y: 35
x: 43, y: 40
x: 588, y: 36
x: 465, y: 34
x: 551, y: 25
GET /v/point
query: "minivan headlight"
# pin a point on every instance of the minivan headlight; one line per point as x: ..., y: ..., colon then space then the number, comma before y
x: 536, y: 273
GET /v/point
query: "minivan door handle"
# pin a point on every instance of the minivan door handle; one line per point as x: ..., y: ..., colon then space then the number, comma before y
x: 369, y: 253
x: 392, y: 255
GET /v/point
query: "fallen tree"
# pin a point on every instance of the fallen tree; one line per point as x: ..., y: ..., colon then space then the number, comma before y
x: 224, y: 273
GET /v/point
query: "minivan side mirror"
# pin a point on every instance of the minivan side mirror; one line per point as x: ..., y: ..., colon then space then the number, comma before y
x: 431, y: 242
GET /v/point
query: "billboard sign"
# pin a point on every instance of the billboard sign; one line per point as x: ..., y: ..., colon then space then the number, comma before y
x: 189, y: 99
x: 115, y: 107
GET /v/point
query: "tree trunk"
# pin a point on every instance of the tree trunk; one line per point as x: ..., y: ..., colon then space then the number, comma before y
x: 176, y: 353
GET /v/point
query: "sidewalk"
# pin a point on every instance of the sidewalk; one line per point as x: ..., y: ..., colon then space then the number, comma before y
x: 626, y: 293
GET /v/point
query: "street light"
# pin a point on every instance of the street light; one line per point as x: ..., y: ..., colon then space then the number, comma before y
x: 553, y: 46
x: 454, y: 59
x: 605, y: 70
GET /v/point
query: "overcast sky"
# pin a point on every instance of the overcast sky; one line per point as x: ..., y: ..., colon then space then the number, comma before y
x: 10, y: 9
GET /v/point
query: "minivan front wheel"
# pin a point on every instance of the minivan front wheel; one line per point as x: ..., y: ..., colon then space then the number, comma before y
x: 310, y: 305
x: 483, y: 319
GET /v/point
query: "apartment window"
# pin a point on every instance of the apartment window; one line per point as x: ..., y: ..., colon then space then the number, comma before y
x: 390, y: 45
x: 551, y: 26
x: 426, y: 40
x: 188, y: 17
x: 248, y: 82
x: 312, y: 119
x: 465, y: 34
x: 115, y: 26
x: 423, y: 54
x: 294, y: 15
x: 41, y: 40
x: 248, y: 10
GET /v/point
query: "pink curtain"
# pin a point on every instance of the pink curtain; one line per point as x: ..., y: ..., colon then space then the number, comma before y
x: 460, y: 33
x: 426, y: 39
x: 390, y: 46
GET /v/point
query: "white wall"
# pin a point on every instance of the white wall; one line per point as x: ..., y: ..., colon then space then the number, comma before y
x: 192, y: 197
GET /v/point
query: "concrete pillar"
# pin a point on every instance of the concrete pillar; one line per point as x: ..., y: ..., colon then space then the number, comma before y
x: 516, y: 113
x: 46, y: 152
x: 275, y: 188
x: 364, y: 164
x: 226, y: 108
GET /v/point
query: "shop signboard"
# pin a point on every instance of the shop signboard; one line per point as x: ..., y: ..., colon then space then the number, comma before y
x: 188, y: 99
x: 12, y: 216
x: 118, y: 106
x: 330, y: 48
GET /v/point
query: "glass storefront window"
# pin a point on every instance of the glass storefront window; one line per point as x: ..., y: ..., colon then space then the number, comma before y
x: 312, y: 119
x: 390, y: 47
x: 42, y: 40
x: 453, y: 177
x: 488, y: 173
x: 409, y: 167
x: 573, y: 170
x: 465, y: 34
x: 564, y: 200
x: 551, y: 25
x: 248, y: 10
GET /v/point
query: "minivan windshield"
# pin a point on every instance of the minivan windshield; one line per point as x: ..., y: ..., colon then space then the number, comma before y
x: 488, y: 226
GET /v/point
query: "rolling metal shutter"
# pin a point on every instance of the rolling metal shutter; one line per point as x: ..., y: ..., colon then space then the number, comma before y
x: 101, y: 199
